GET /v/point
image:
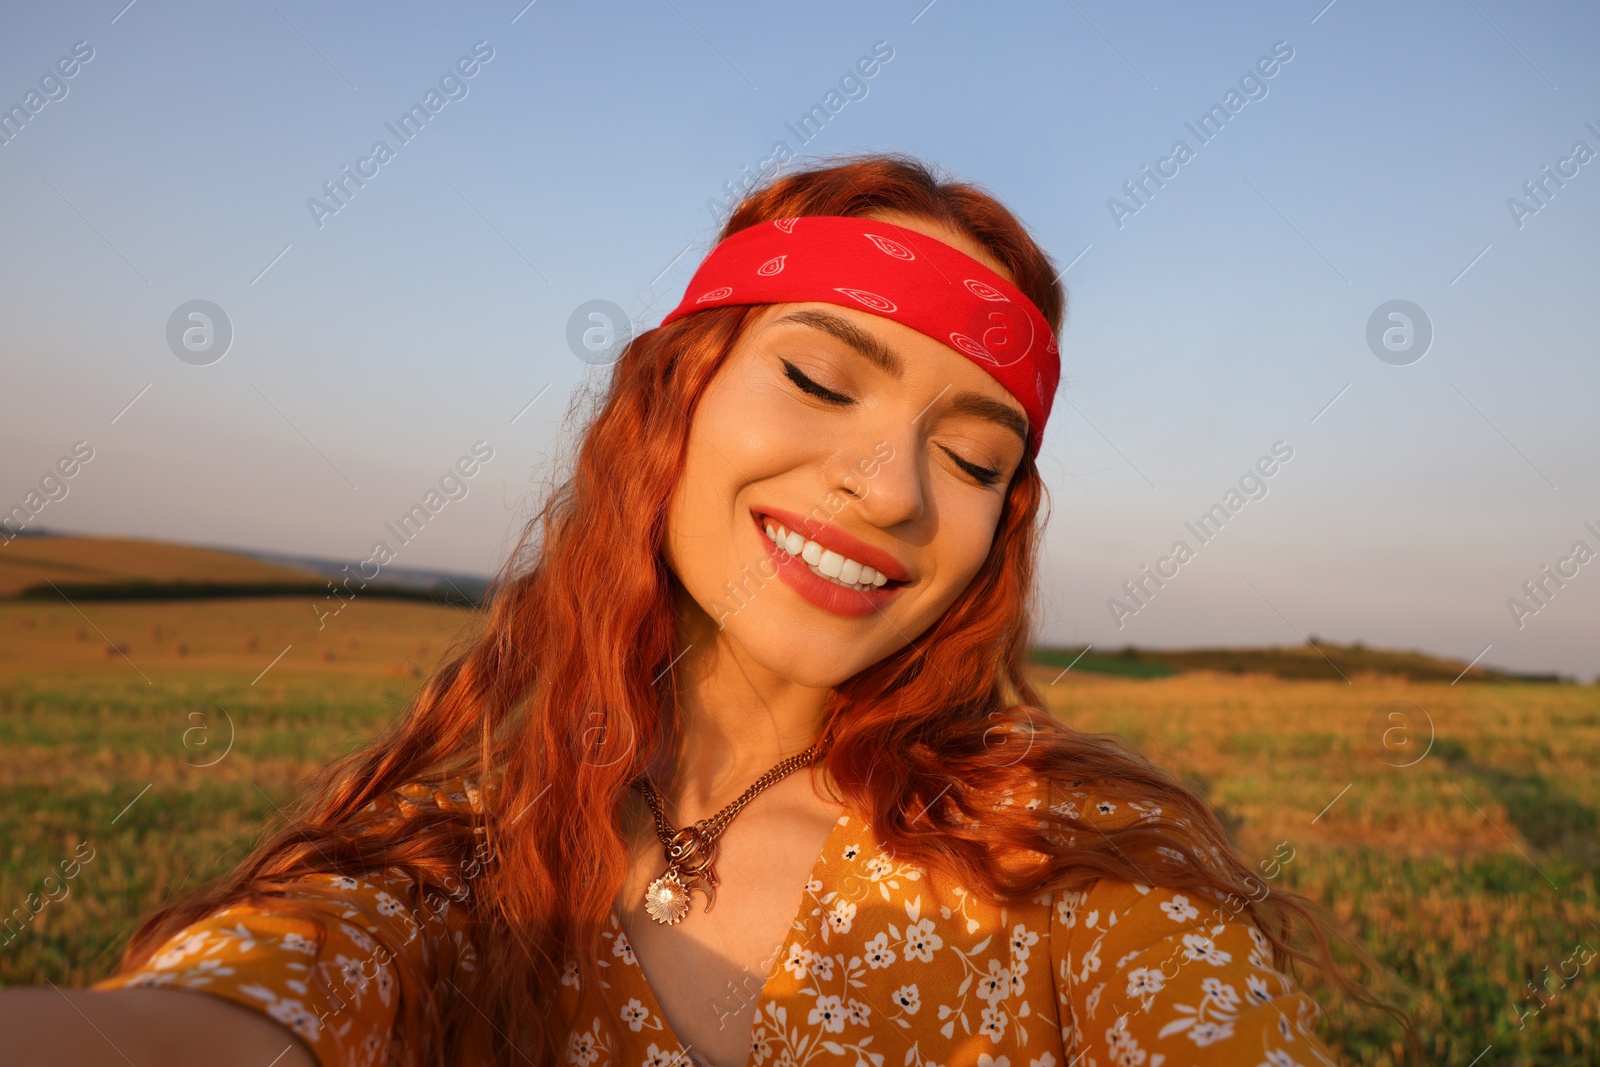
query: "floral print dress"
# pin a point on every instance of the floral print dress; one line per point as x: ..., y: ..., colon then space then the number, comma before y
x: 879, y: 970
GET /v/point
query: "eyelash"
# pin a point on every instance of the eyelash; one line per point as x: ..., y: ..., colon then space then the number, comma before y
x: 806, y: 385
x: 984, y: 475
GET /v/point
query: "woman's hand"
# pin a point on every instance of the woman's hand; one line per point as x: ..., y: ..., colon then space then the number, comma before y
x: 142, y: 1027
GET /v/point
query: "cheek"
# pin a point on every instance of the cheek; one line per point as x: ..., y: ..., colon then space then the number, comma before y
x: 737, y: 437
x: 731, y: 444
x: 750, y: 427
x: 961, y: 543
x: 758, y: 420
x: 697, y: 517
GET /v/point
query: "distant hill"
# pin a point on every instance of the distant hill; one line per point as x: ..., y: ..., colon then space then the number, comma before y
x: 1321, y: 660
x: 470, y: 586
x: 30, y: 564
x: 48, y: 566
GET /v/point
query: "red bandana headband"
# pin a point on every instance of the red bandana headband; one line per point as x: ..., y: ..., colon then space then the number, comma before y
x: 899, y: 274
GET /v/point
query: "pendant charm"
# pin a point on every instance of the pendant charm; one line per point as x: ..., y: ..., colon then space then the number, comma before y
x: 708, y: 876
x: 692, y: 851
x: 667, y: 899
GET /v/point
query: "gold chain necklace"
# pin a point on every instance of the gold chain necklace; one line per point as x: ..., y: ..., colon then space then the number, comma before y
x: 692, y: 851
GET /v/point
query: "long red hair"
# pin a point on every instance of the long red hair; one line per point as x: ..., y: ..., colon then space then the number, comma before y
x: 556, y: 696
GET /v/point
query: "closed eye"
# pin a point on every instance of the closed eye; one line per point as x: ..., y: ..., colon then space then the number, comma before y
x: 985, y: 476
x: 805, y: 384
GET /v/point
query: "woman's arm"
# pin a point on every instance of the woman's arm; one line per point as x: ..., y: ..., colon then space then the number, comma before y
x: 145, y: 1027
x: 326, y: 970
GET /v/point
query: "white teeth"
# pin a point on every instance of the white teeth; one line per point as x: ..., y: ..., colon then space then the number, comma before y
x: 850, y: 573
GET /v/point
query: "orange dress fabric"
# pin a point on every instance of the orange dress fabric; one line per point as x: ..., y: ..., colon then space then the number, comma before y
x: 876, y: 972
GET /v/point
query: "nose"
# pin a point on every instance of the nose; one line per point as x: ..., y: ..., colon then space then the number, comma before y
x: 882, y: 478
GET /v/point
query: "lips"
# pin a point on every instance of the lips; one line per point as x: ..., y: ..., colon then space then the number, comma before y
x: 829, y: 595
x: 831, y: 537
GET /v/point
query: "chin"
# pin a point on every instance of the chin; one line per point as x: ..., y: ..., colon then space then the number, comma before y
x: 811, y: 662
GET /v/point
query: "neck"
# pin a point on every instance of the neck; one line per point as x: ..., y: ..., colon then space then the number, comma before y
x: 736, y: 719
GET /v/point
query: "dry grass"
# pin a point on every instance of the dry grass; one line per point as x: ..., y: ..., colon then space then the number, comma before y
x: 1468, y: 872
x: 1468, y: 866
x: 169, y: 641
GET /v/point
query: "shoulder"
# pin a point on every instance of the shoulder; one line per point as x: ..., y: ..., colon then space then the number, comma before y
x: 454, y: 794
x: 1154, y: 969
x: 1097, y: 805
x: 332, y: 957
x: 417, y: 805
x: 443, y: 885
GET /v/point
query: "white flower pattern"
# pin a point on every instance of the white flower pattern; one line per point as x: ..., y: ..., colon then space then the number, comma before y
x: 883, y: 967
x: 265, y: 958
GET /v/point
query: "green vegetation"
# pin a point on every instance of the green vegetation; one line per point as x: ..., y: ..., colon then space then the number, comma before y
x: 1314, y: 660
x: 1130, y: 664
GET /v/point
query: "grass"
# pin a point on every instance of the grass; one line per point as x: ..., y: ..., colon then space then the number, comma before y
x: 1467, y: 870
x: 1463, y: 852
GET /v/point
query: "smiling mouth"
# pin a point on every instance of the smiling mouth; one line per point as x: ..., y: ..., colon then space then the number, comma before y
x: 826, y: 563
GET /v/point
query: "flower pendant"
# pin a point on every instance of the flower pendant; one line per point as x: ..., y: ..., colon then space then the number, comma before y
x: 667, y: 899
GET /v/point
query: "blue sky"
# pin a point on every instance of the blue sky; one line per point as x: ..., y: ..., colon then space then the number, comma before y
x: 578, y: 163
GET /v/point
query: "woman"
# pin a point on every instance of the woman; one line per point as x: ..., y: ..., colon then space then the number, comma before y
x: 799, y: 537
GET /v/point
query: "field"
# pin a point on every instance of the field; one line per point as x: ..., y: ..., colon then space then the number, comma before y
x: 1453, y: 827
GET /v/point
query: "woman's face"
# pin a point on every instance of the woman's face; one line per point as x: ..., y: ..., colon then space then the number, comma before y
x: 875, y: 443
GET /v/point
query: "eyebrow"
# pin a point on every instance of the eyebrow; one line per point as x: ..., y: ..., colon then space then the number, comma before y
x: 881, y: 356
